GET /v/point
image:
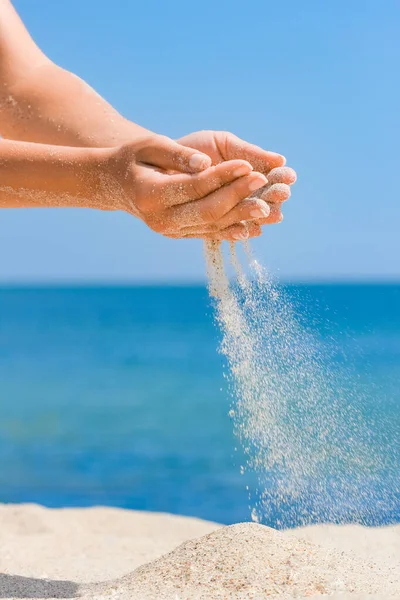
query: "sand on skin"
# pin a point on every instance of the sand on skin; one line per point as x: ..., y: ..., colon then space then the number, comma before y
x: 47, y: 553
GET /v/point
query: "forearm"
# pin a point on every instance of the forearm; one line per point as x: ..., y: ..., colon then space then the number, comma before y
x: 53, y: 106
x: 38, y: 175
x: 42, y: 102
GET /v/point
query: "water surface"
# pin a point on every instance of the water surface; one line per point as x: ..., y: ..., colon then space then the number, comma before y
x: 116, y: 395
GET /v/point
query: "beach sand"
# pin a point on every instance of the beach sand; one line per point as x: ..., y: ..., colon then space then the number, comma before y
x: 107, y: 553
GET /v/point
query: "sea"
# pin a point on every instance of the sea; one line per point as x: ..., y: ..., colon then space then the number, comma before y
x: 118, y: 395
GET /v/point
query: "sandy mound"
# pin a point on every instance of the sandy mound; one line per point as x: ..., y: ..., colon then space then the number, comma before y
x: 249, y: 561
x: 47, y: 553
x: 56, y: 553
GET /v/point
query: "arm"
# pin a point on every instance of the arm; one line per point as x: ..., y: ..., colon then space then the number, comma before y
x: 41, y: 102
x: 37, y: 175
x: 205, y: 204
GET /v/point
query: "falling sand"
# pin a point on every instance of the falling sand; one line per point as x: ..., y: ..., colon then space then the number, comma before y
x: 294, y: 411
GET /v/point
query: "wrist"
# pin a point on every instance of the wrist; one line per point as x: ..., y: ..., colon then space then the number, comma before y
x: 94, y: 179
x: 116, y: 177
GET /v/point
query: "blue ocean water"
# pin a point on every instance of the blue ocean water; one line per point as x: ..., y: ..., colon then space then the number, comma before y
x: 116, y: 395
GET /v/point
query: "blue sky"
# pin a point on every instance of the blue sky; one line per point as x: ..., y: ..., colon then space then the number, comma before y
x: 315, y: 80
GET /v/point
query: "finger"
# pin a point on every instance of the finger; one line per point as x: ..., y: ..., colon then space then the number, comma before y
x: 275, y: 216
x: 274, y: 194
x: 241, y: 231
x: 276, y: 189
x: 241, y: 226
x: 160, y: 151
x: 282, y: 175
x: 196, y: 235
x: 249, y: 209
x: 216, y: 236
x: 261, y: 160
x: 214, y: 206
x: 237, y: 232
x: 186, y: 188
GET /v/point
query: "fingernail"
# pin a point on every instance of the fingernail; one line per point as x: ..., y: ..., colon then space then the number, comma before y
x: 198, y: 162
x: 257, y: 182
x: 260, y: 213
x: 240, y: 236
x: 242, y: 170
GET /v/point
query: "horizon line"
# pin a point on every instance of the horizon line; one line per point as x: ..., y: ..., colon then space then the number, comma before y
x: 87, y: 283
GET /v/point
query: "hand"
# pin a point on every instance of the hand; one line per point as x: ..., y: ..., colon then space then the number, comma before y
x: 221, y: 146
x: 178, y: 205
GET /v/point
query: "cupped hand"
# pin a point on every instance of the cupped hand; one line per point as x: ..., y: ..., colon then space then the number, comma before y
x: 224, y: 146
x: 142, y: 178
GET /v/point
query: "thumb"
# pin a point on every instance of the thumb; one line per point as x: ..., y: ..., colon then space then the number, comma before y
x: 167, y: 154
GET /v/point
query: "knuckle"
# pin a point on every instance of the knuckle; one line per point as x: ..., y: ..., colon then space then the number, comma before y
x: 221, y: 176
x: 239, y: 191
x: 147, y: 141
x: 210, y: 214
x: 197, y: 188
x: 163, y: 143
x: 127, y: 150
x: 223, y: 133
x: 161, y: 139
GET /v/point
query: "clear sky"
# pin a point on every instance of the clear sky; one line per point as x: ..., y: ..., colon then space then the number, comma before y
x: 316, y: 80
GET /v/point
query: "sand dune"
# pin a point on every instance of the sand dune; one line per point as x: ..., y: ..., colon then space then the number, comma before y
x: 105, y: 553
